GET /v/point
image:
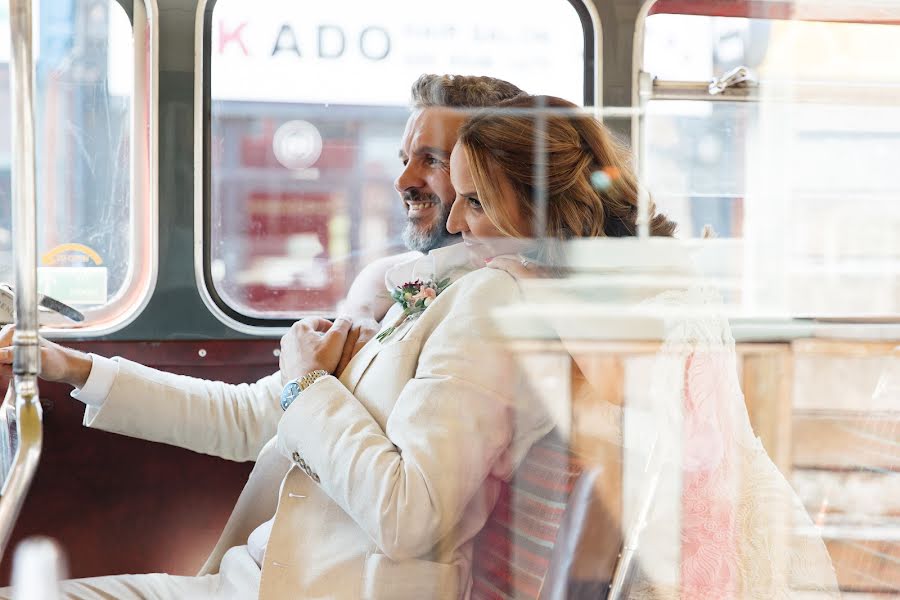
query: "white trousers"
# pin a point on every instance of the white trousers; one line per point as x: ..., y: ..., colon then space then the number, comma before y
x: 238, y: 579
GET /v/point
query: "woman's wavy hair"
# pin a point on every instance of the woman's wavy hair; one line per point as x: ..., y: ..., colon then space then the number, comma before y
x: 502, y: 142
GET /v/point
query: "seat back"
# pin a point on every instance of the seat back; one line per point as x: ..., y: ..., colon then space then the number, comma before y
x: 514, y: 551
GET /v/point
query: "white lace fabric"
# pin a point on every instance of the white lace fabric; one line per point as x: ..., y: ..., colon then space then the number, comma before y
x: 744, y: 532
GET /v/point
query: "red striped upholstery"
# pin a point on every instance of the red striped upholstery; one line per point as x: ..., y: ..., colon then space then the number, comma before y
x: 512, y: 553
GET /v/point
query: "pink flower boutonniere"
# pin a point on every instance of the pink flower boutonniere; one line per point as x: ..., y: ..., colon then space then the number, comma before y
x: 414, y: 297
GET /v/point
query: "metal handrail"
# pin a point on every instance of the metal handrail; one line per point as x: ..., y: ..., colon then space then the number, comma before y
x: 26, y: 358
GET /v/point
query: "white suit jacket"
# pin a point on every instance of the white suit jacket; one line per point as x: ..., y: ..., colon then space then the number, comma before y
x: 386, y: 475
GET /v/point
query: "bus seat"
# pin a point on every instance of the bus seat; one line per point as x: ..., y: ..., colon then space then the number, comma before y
x: 529, y: 547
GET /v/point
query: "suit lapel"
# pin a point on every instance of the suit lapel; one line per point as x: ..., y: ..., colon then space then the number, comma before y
x: 360, y: 363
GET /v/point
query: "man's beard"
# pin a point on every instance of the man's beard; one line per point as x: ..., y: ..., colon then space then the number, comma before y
x: 425, y: 237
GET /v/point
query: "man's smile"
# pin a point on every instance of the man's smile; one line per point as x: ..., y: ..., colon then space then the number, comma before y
x: 418, y: 208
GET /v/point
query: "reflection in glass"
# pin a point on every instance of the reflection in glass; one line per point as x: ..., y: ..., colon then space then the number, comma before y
x: 83, y: 85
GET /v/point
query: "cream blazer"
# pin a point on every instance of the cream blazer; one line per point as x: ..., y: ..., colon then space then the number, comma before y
x: 385, y: 474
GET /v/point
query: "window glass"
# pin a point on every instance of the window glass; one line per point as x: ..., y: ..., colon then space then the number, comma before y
x: 84, y: 71
x: 308, y: 107
x: 802, y: 176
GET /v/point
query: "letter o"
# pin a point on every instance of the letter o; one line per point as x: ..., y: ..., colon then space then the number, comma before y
x: 371, y: 49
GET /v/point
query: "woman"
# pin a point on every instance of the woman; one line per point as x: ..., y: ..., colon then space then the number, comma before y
x: 736, y: 513
x: 498, y: 181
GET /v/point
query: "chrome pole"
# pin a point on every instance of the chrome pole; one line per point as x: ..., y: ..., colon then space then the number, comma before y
x: 26, y: 359
x: 26, y: 363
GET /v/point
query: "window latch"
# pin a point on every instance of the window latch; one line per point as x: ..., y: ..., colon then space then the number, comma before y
x: 737, y: 77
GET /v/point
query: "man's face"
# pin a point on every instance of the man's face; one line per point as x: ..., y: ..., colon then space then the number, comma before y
x: 424, y: 184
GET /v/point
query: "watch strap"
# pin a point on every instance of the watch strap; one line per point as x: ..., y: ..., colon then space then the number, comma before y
x: 295, y: 386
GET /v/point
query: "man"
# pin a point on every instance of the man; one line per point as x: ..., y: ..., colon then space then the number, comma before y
x: 424, y: 184
x: 329, y: 549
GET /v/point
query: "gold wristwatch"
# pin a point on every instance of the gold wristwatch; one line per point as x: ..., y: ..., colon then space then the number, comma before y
x: 295, y: 386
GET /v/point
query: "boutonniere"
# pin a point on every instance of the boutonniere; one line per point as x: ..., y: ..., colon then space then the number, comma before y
x: 414, y: 297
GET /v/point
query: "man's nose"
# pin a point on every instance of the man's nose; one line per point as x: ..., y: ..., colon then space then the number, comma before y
x: 408, y: 178
x: 456, y: 221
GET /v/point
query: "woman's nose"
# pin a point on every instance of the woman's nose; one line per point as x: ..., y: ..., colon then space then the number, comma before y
x: 456, y: 221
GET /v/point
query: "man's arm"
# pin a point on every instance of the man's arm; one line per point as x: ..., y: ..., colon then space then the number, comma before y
x: 409, y: 483
x: 230, y: 421
x: 58, y: 363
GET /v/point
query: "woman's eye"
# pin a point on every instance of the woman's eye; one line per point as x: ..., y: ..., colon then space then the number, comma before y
x: 474, y: 203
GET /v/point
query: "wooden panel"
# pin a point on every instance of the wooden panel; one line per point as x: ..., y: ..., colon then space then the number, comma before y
x: 843, y: 349
x: 847, y: 596
x: 862, y: 496
x: 835, y: 375
x: 121, y: 505
x: 597, y: 394
x: 841, y: 442
x: 866, y: 566
x: 195, y: 354
x: 766, y: 381
x: 840, y: 383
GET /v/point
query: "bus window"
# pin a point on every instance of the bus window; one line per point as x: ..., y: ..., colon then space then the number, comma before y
x: 307, y: 109
x: 94, y: 208
x: 796, y: 166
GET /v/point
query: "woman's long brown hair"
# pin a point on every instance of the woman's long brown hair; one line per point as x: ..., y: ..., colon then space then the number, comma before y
x: 501, y: 142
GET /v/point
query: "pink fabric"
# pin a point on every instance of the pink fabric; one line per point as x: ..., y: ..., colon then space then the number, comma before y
x: 709, y: 559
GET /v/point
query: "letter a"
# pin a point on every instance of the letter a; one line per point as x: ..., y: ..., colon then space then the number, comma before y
x: 286, y: 40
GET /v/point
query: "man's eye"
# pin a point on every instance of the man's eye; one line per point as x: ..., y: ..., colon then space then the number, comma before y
x: 474, y: 203
x: 432, y: 161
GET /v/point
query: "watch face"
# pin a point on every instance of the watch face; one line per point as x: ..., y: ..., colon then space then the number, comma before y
x: 289, y: 393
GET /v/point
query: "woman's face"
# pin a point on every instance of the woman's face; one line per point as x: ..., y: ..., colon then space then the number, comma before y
x: 467, y: 216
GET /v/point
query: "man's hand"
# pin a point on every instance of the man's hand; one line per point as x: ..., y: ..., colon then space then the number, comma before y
x: 361, y: 332
x: 312, y: 344
x: 57, y: 362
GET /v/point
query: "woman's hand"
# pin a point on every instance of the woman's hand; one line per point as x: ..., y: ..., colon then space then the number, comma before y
x: 58, y: 363
x: 312, y: 344
x: 361, y: 332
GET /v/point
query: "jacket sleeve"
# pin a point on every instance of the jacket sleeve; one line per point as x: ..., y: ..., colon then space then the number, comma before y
x: 212, y: 417
x: 408, y: 485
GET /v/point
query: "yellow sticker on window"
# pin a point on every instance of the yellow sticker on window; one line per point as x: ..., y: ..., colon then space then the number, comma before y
x: 70, y: 254
x: 71, y: 273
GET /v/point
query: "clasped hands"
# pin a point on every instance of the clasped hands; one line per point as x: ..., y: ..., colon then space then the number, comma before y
x: 315, y: 343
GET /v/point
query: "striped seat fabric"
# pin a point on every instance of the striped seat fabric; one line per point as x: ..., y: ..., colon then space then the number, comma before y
x: 512, y: 554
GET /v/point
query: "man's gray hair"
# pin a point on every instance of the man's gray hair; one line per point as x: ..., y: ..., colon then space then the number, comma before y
x: 461, y: 91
